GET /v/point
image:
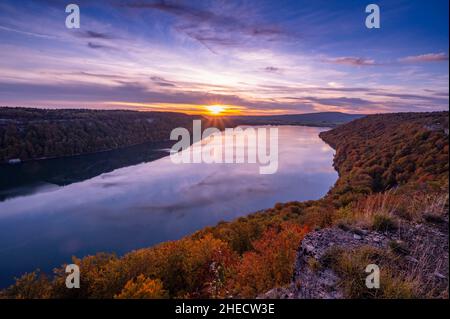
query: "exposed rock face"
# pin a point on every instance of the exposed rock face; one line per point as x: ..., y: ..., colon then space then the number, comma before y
x: 323, y: 283
x: 424, y: 245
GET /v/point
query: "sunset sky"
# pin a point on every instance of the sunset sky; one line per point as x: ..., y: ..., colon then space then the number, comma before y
x: 253, y: 57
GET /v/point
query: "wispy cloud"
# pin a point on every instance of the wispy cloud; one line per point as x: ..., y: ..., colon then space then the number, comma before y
x: 404, y: 96
x: 272, y: 69
x: 216, y: 28
x: 429, y: 57
x: 99, y: 46
x: 89, y: 34
x: 352, y: 61
x: 338, y: 101
x: 29, y: 33
x: 162, y: 82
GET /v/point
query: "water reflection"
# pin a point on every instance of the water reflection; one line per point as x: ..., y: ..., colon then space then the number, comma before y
x: 38, y: 176
x: 141, y: 205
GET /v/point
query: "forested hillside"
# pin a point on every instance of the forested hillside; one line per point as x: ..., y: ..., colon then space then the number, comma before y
x: 320, y: 119
x: 27, y: 133
x: 384, y: 151
x: 393, y: 182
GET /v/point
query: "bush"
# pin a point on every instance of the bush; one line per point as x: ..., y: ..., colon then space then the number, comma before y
x: 271, y: 264
x: 32, y: 285
x: 143, y: 288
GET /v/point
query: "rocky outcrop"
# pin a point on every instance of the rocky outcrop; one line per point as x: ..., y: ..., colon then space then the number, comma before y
x: 423, y: 246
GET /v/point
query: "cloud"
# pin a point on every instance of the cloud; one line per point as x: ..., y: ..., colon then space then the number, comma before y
x: 97, y: 40
x: 34, y: 94
x: 213, y: 29
x: 352, y: 61
x: 162, y: 82
x: 344, y: 89
x: 430, y: 57
x: 33, y: 34
x: 99, y: 75
x: 444, y: 94
x: 98, y: 46
x: 433, y: 99
x: 286, y: 89
x: 175, y: 9
x: 438, y: 93
x: 272, y: 69
x: 339, y: 101
x: 134, y: 95
x: 94, y: 35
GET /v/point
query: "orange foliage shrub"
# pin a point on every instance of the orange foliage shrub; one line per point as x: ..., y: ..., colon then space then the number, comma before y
x: 271, y: 264
x: 194, y: 268
x: 143, y: 288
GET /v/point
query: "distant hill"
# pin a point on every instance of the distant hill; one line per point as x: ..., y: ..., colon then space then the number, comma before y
x: 323, y: 119
x: 29, y: 133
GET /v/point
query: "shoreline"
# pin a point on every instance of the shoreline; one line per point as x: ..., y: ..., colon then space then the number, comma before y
x: 6, y: 163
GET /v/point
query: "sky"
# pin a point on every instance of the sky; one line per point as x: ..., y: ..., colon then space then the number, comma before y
x: 251, y: 57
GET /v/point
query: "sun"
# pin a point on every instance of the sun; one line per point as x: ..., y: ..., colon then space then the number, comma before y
x: 215, y: 109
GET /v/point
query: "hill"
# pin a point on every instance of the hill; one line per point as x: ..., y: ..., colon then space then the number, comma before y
x: 321, y: 119
x: 28, y: 133
x: 389, y: 207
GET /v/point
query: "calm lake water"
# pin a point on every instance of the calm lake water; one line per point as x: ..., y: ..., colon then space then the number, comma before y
x: 44, y: 221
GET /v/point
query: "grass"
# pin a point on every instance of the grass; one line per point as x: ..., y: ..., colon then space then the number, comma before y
x: 387, y: 211
x: 399, y: 248
x: 384, y: 223
x: 350, y: 267
x: 406, y: 269
x: 314, y: 264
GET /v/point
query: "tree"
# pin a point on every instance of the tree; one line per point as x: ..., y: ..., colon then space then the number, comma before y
x: 143, y: 288
x: 32, y: 285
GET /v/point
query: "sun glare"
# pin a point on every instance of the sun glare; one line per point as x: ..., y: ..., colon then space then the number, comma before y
x: 215, y: 109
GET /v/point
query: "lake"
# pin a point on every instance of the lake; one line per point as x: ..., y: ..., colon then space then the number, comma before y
x: 46, y: 220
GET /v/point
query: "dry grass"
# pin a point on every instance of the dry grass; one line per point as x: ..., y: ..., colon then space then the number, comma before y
x: 429, y: 262
x: 417, y: 269
x: 384, y: 211
x: 314, y: 264
x: 350, y: 267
